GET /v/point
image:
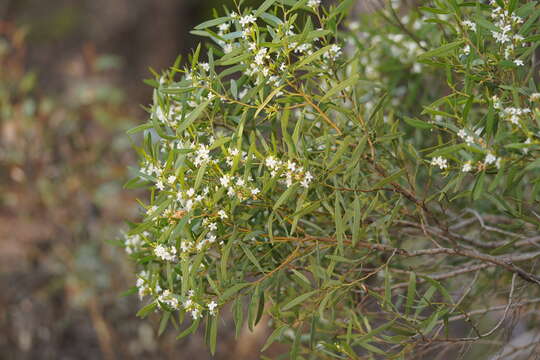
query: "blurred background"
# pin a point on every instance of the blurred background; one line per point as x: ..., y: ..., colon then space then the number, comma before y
x: 71, y: 84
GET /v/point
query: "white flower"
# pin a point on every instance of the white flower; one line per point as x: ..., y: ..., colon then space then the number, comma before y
x: 195, y: 313
x: 333, y: 53
x: 519, y: 62
x: 272, y: 163
x: 202, y: 155
x: 470, y: 25
x: 224, y: 27
x: 291, y: 165
x: 171, y: 179
x: 535, y: 97
x: 227, y: 48
x: 255, y: 191
x: 211, y: 238
x: 313, y: 3
x: 160, y: 185
x: 467, y: 49
x: 490, y: 159
x: 190, y: 192
x: 222, y: 214
x: 133, y: 243
x: 496, y: 102
x: 439, y: 161
x: 467, y: 167
x: 307, y: 179
x: 225, y: 180
x: 212, y: 307
x: 248, y: 19
x: 165, y: 254
x: 205, y: 66
x: 261, y: 55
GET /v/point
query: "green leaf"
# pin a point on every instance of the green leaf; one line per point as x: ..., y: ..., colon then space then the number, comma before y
x: 252, y: 257
x: 288, y: 193
x: 395, y: 176
x: 478, y: 188
x: 299, y: 300
x: 276, y: 334
x: 411, y: 292
x: 142, y: 313
x: 194, y: 325
x: 340, y: 86
x: 139, y: 128
x: 444, y: 50
x: 213, y: 334
x: 264, y: 6
x: 193, y: 116
x: 417, y: 123
x: 213, y: 22
x: 232, y: 291
x: 164, y: 321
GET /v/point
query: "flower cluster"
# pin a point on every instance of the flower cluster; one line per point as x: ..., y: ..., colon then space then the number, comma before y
x: 166, y: 253
x: 133, y: 243
x: 506, y: 34
x: 439, y: 161
x: 514, y: 115
x: 288, y: 171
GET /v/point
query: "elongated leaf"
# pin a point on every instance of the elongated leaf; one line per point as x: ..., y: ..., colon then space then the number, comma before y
x: 232, y: 291
x: 444, y: 50
x: 264, y: 6
x: 276, y: 334
x: 298, y: 300
x: 341, y: 86
x: 213, y: 22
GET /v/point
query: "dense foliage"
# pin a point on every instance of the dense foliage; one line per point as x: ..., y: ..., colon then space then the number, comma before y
x: 359, y: 184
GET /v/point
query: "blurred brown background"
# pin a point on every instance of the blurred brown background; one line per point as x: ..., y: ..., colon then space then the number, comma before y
x: 70, y: 86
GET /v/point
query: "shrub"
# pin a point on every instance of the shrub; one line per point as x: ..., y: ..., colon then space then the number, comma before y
x: 364, y: 184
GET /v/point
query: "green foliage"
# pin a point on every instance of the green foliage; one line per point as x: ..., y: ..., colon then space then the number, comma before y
x: 327, y: 175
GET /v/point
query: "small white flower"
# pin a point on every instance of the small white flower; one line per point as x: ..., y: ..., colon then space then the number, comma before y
x: 227, y: 48
x: 195, y: 313
x: 224, y: 27
x: 519, y: 62
x: 222, y: 214
x: 225, y: 180
x: 160, y: 185
x: 490, y: 159
x: 467, y: 167
x: 271, y: 162
x: 165, y: 254
x: 535, y: 97
x: 470, y: 25
x: 439, y: 161
x: 255, y: 191
x: 314, y: 3
x: 190, y: 192
x: 248, y: 19
x: 212, y: 307
x: 205, y: 66
x: 171, y: 179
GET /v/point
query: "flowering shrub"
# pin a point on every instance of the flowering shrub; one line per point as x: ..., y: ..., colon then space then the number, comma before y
x: 362, y: 183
